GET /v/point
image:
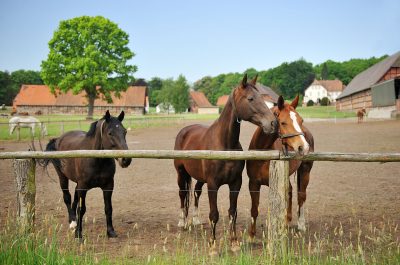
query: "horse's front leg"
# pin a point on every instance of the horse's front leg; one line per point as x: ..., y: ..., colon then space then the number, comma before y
x: 107, y: 194
x: 303, y: 178
x: 81, y: 209
x: 234, y: 189
x: 254, y: 188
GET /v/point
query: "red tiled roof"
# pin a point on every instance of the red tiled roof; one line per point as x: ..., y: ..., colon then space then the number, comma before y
x: 41, y: 95
x: 330, y: 85
x: 200, y: 99
x: 222, y: 100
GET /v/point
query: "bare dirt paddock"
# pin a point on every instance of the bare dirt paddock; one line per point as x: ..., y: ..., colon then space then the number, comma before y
x: 146, y: 201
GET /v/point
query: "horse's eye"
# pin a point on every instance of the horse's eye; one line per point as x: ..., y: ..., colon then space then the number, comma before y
x: 283, y: 123
x: 250, y: 98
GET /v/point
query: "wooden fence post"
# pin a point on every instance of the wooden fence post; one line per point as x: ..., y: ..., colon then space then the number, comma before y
x: 278, y: 202
x: 62, y: 127
x: 18, y: 133
x: 24, y: 171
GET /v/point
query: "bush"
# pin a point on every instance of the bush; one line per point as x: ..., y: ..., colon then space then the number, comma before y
x: 325, y: 101
x: 310, y: 103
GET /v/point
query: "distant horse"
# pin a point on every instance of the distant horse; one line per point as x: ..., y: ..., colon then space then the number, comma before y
x: 292, y: 135
x: 27, y: 122
x: 244, y: 103
x: 107, y: 133
x: 360, y: 114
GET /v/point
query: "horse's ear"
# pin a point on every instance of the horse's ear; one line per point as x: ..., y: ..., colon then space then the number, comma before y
x: 244, y: 81
x: 295, y: 102
x: 121, y: 116
x: 254, y: 80
x: 107, y: 116
x: 281, y: 103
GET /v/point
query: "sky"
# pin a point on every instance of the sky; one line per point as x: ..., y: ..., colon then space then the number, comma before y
x: 210, y: 37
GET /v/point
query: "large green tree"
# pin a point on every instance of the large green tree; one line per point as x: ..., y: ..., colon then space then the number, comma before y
x: 180, y: 94
x: 6, y: 90
x: 89, y: 54
x: 155, y: 85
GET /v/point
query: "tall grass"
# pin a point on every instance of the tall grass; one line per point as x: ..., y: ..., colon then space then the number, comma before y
x: 53, y: 244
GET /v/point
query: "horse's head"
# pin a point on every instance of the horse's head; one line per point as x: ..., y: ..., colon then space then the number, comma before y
x: 291, y: 126
x: 113, y: 135
x: 248, y: 104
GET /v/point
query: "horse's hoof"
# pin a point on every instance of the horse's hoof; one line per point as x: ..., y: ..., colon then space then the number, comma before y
x: 73, y: 225
x: 196, y: 221
x: 301, y: 227
x: 182, y: 223
x: 112, y: 234
x: 235, y: 246
x: 78, y: 235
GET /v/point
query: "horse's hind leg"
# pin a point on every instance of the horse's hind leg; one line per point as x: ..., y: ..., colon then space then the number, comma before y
x: 184, y: 183
x: 303, y: 177
x: 107, y: 194
x: 67, y: 199
x: 197, y: 194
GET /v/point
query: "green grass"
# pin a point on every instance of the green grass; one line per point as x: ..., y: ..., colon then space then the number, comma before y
x: 323, y: 112
x: 58, y: 123
x: 51, y: 243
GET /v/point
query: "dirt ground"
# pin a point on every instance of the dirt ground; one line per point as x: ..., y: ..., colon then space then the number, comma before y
x: 146, y: 201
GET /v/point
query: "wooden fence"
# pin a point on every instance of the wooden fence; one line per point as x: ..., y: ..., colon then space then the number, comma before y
x: 24, y: 170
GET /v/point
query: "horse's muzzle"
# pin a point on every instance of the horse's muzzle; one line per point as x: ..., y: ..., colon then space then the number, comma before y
x: 124, y: 162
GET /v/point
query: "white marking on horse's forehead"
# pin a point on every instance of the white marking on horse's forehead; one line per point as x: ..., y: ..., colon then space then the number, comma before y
x: 117, y: 125
x: 296, y: 125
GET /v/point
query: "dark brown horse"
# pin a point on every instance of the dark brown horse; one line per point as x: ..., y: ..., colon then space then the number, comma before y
x: 360, y: 115
x: 106, y: 134
x: 292, y: 135
x: 244, y: 103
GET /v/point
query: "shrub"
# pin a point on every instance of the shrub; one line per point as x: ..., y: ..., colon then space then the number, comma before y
x: 310, y: 103
x: 325, y: 101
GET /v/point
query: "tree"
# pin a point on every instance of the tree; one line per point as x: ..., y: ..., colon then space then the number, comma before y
x: 6, y: 89
x: 324, y: 72
x: 155, y: 85
x: 180, y: 95
x: 89, y: 54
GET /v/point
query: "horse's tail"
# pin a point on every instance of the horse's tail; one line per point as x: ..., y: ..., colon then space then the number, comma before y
x: 51, y: 147
x: 188, y: 188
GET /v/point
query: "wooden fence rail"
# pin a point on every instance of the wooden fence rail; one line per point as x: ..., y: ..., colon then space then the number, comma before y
x: 24, y: 171
x: 207, y: 154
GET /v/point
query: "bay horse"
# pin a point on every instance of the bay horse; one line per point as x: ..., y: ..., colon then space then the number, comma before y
x: 360, y: 115
x: 27, y: 122
x: 292, y: 135
x: 108, y: 133
x: 244, y: 103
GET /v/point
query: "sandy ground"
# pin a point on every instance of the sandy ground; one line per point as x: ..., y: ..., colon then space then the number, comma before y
x: 146, y: 201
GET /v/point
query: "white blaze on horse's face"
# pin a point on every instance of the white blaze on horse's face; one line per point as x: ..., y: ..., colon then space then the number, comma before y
x: 305, y: 147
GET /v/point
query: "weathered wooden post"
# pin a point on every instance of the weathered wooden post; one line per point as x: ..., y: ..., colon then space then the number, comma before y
x: 62, y: 127
x: 278, y: 203
x: 24, y: 171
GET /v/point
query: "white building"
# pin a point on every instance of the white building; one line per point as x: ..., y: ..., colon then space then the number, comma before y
x: 323, y: 88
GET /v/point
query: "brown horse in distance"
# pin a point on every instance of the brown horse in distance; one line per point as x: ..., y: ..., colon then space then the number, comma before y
x: 292, y: 135
x: 106, y: 134
x: 244, y: 103
x: 360, y: 115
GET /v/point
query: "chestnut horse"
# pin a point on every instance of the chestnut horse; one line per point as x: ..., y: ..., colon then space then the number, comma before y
x: 244, y: 103
x: 106, y: 134
x: 292, y: 135
x: 360, y: 114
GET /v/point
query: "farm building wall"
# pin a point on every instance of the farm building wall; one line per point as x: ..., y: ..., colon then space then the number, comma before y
x: 80, y: 109
x: 355, y: 101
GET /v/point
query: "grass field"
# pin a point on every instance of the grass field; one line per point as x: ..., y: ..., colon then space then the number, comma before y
x: 58, y: 123
x: 52, y: 246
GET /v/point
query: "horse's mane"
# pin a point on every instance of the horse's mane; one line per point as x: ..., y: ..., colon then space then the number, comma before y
x: 92, y: 129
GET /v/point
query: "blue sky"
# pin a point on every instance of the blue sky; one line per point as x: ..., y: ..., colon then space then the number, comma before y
x: 199, y: 38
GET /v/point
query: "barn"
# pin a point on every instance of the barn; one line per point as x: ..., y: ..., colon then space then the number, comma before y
x: 270, y: 97
x: 32, y: 98
x: 200, y: 104
x: 376, y: 89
